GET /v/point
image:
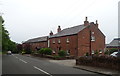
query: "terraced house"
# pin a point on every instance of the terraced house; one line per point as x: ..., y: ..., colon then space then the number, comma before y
x: 36, y: 43
x: 77, y: 40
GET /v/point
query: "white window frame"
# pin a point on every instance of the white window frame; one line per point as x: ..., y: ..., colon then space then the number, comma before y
x: 92, y: 38
x: 93, y: 32
x: 93, y: 52
x: 67, y: 40
x: 53, y: 41
x: 59, y: 41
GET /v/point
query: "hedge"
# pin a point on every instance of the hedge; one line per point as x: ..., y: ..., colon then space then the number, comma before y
x: 102, y: 61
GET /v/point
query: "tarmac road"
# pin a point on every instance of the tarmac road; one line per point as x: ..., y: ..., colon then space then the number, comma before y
x: 19, y: 64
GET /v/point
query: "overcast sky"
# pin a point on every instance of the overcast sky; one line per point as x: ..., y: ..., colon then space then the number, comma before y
x: 26, y: 19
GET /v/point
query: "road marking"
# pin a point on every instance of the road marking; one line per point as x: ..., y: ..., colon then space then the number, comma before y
x: 42, y: 70
x: 16, y: 57
x: 22, y: 60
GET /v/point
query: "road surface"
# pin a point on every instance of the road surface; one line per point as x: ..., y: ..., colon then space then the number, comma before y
x: 19, y: 64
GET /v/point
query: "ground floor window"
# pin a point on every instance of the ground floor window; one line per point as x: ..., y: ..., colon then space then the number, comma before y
x: 68, y: 52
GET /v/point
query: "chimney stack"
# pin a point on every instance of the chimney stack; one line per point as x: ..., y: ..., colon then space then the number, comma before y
x: 96, y: 23
x: 51, y: 33
x: 59, y: 29
x: 86, y: 23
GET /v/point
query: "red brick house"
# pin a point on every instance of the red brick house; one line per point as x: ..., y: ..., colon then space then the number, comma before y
x: 36, y: 43
x: 78, y: 40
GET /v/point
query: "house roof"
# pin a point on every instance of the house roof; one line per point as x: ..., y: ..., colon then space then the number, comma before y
x: 114, y: 43
x: 39, y: 39
x: 69, y: 31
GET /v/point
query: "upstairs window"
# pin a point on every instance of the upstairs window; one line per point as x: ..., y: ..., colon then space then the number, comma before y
x: 53, y: 41
x: 67, y: 40
x: 92, y: 38
x: 92, y: 32
x: 93, y: 52
x: 59, y: 41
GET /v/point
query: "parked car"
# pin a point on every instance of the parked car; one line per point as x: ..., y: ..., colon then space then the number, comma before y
x: 9, y: 52
x: 115, y: 54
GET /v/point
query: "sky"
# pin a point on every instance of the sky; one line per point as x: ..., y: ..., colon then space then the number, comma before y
x: 26, y: 19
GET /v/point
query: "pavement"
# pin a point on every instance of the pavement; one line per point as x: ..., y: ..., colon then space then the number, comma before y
x: 72, y: 63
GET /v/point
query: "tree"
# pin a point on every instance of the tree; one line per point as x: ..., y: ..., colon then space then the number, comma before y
x: 19, y: 47
x: 7, y: 44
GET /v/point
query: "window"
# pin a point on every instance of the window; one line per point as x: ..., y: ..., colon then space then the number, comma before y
x: 100, y: 51
x: 92, y: 38
x: 58, y: 40
x: 92, y: 32
x: 53, y: 52
x: 93, y: 52
x: 53, y: 41
x: 68, y: 52
x: 67, y: 40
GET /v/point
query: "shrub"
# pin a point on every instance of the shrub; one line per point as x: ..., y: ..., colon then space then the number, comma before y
x: 112, y: 50
x: 23, y: 52
x: 96, y: 52
x: 106, y: 52
x: 57, y: 57
x: 62, y: 53
x: 41, y: 51
x: 47, y: 51
x: 87, y: 54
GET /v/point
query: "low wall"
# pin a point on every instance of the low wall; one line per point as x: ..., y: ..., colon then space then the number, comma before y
x: 103, y: 62
x: 54, y: 57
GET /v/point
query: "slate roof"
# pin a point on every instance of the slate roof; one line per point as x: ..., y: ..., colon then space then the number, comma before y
x: 114, y: 43
x: 39, y: 39
x: 69, y: 31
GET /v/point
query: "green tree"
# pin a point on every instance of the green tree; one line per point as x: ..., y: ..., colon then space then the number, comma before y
x: 7, y: 44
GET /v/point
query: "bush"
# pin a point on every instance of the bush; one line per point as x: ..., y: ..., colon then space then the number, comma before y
x: 96, y: 53
x: 112, y: 50
x: 62, y: 53
x: 57, y: 57
x: 100, y: 61
x: 87, y: 54
x: 46, y: 51
x: 106, y: 52
x: 23, y: 52
x: 41, y: 51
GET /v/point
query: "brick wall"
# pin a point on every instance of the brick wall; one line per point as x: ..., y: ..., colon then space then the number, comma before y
x: 64, y: 45
x: 39, y: 45
x: 84, y: 40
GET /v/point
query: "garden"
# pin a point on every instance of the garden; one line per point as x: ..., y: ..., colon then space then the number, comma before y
x: 48, y: 53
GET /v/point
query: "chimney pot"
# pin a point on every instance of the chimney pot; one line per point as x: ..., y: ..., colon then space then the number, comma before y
x: 96, y: 23
x: 51, y: 33
x: 59, y: 29
x: 86, y: 23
